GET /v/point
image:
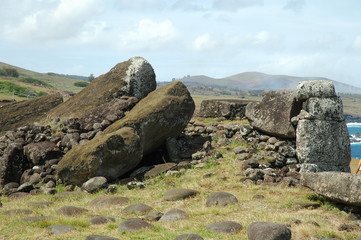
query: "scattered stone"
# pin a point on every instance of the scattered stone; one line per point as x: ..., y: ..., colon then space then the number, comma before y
x: 179, y: 194
x: 132, y: 225
x: 268, y: 231
x: 258, y: 197
x: 221, y: 199
x: 61, y: 229
x: 309, y: 205
x: 97, y: 220
x: 18, y: 212
x: 313, y: 223
x: 37, y: 219
x: 40, y: 204
x: 94, y: 184
x: 153, y: 216
x: 18, y: 195
x: 112, y: 188
x: 39, y: 152
x: 139, y: 208
x: 155, y: 170
x: 347, y: 227
x: 25, y: 187
x: 71, y: 211
x: 135, y: 185
x: 99, y: 237
x: 173, y: 215
x: 225, y: 227
x: 108, y: 201
x: 188, y: 236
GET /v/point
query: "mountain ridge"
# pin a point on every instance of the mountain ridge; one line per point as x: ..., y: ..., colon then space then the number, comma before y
x: 262, y: 81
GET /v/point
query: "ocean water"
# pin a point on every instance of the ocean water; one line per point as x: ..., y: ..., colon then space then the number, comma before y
x: 353, y: 130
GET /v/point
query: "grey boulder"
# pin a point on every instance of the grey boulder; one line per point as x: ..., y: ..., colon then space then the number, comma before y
x: 268, y: 231
x: 337, y: 186
x: 273, y: 114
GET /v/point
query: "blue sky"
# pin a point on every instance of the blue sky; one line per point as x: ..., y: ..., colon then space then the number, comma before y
x: 217, y: 38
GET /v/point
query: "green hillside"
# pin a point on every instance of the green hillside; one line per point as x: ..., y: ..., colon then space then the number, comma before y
x: 27, y: 84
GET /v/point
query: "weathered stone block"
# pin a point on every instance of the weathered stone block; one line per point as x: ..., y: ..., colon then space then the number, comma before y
x: 227, y: 108
x: 324, y: 143
x: 337, y: 186
x: 325, y: 108
x: 273, y: 114
x: 315, y: 88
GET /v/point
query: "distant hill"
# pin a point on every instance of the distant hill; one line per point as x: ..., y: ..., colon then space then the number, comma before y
x: 32, y: 84
x: 261, y: 81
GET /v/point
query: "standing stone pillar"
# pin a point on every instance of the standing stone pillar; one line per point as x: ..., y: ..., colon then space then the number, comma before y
x: 322, y: 141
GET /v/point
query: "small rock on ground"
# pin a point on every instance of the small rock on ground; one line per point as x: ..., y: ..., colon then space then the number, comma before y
x: 61, y: 229
x: 71, y: 210
x: 40, y: 204
x: 99, y: 237
x: 18, y: 212
x: 221, y: 199
x: 173, y: 215
x: 188, y: 236
x: 268, y: 231
x: 132, y: 225
x: 139, y: 208
x: 37, y: 219
x: 108, y: 201
x: 153, y: 216
x: 97, y: 220
x: 179, y: 194
x: 94, y: 184
x: 225, y: 227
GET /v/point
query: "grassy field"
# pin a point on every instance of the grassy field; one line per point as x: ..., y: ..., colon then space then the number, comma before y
x: 279, y: 205
x: 54, y: 82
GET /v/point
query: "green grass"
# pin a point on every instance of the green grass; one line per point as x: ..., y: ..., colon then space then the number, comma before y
x: 15, y: 89
x: 277, y: 206
x: 35, y: 82
x: 81, y: 84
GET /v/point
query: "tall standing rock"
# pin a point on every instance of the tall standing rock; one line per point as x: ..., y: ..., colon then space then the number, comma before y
x: 134, y: 77
x: 164, y: 113
x: 322, y: 142
x: 273, y: 114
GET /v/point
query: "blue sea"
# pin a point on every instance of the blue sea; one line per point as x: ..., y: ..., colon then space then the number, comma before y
x: 353, y: 130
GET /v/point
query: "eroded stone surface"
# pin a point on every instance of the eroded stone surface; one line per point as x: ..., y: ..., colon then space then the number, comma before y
x: 225, y: 227
x: 179, y: 194
x: 221, y: 199
x: 268, y: 231
x: 132, y: 225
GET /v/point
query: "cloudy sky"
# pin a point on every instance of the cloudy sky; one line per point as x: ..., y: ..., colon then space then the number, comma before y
x: 217, y: 38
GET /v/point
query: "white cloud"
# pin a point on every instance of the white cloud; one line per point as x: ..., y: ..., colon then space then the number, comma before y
x: 148, y: 34
x: 144, y: 5
x: 260, y: 41
x: 234, y: 5
x: 295, y: 5
x: 189, y: 5
x: 203, y: 42
x: 52, y: 23
x: 357, y: 43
